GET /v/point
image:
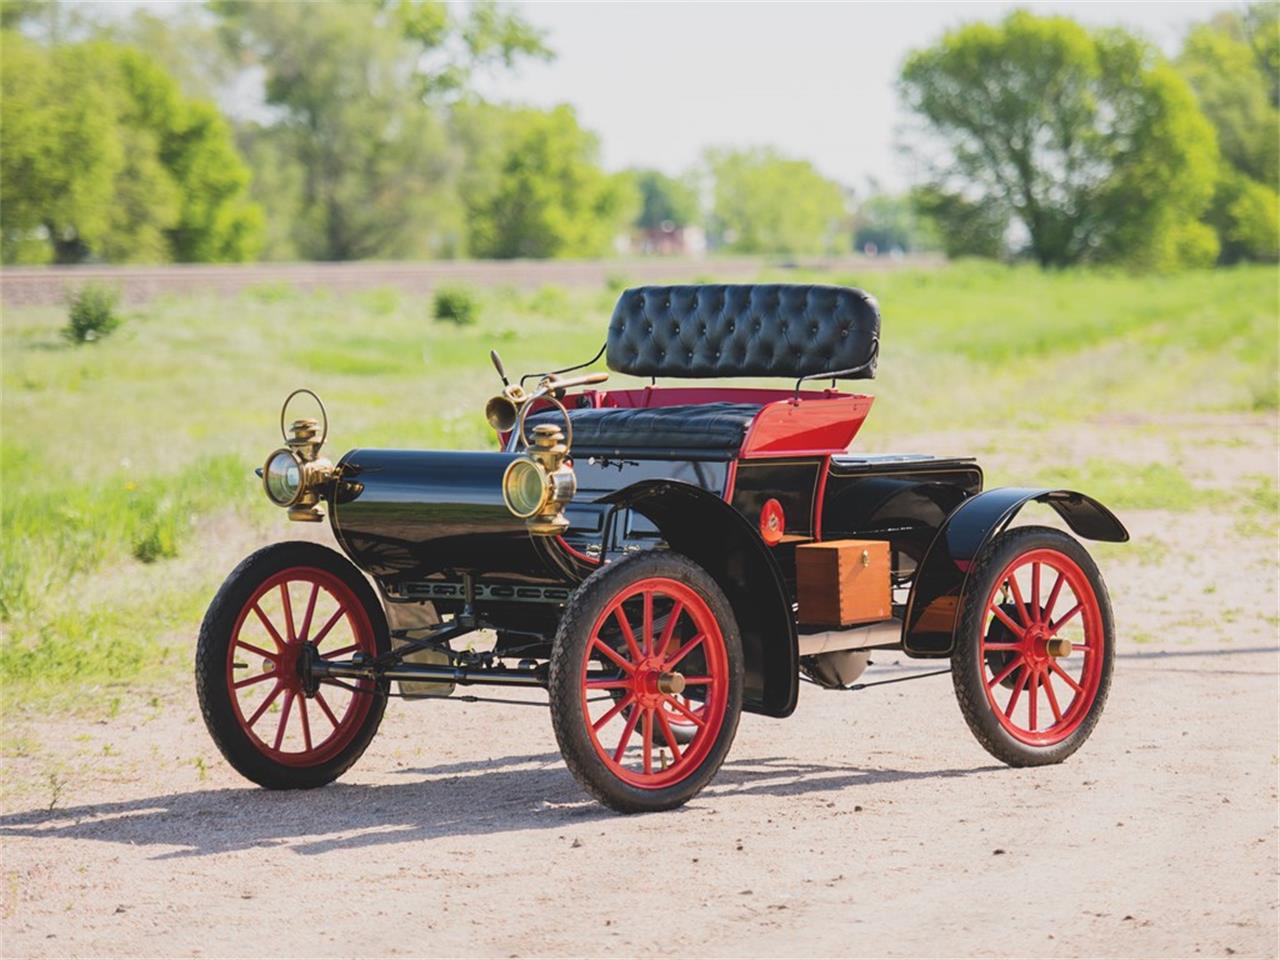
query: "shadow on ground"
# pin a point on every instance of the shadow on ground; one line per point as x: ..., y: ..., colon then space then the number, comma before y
x: 450, y: 800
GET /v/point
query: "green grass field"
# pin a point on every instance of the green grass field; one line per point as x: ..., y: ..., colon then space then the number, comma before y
x: 127, y: 462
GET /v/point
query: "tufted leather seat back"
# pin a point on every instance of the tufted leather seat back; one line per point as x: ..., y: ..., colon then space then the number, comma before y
x: 743, y: 330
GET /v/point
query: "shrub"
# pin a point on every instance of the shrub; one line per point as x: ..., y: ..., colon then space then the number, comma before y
x: 457, y: 305
x: 92, y: 315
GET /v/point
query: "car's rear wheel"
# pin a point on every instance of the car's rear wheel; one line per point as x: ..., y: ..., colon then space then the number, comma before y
x: 280, y: 605
x: 1034, y: 648
x: 646, y: 682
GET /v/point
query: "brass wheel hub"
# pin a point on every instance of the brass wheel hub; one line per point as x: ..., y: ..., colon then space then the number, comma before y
x: 1057, y: 647
x: 671, y: 684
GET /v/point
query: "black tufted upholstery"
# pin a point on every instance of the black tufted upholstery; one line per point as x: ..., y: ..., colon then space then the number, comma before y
x: 743, y: 330
x: 703, y: 429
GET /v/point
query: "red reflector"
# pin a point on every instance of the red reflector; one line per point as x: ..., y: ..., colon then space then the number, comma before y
x: 773, y: 522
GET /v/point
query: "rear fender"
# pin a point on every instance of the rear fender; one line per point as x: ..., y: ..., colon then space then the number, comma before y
x: 938, y: 591
x: 719, y: 539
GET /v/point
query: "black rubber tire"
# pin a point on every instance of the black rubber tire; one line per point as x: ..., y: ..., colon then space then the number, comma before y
x: 967, y: 674
x: 211, y: 657
x: 569, y: 648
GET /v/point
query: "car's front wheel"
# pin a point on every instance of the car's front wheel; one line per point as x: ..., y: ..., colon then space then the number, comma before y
x: 646, y: 681
x: 281, y: 605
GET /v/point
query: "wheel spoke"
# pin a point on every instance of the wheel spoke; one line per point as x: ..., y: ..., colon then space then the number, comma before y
x: 608, y: 651
x: 647, y: 599
x: 1012, y: 666
x: 324, y: 705
x: 1082, y: 648
x: 324, y: 631
x: 1035, y: 590
x: 684, y: 651
x: 689, y: 714
x: 1033, y: 693
x: 1053, y: 698
x: 330, y: 654
x: 699, y: 681
x: 628, y: 634
x: 648, y: 740
x: 1002, y: 646
x: 1018, y: 601
x: 1053, y: 596
x: 626, y: 736
x: 288, y: 611
x: 669, y: 630
x: 1057, y: 625
x: 669, y: 736
x: 608, y: 684
x: 252, y: 680
x: 1007, y: 620
x: 311, y: 610
x: 1053, y: 665
x: 258, y: 650
x: 1017, y: 691
x: 271, y: 627
x: 262, y: 707
x: 306, y: 723
x: 613, y: 712
x: 284, y: 719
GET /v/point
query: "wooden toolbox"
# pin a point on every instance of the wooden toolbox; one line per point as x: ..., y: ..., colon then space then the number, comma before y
x: 842, y: 582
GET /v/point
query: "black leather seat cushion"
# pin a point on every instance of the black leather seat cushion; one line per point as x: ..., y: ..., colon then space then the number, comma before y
x: 698, y: 429
x: 743, y: 330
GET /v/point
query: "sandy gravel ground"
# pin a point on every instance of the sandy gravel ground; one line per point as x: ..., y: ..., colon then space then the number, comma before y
x: 869, y: 824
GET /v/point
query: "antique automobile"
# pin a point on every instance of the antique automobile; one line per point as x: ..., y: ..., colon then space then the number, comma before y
x: 657, y: 558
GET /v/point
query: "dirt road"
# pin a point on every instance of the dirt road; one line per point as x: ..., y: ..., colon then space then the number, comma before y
x: 868, y: 824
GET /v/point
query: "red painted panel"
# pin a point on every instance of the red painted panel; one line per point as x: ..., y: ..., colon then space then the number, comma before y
x: 807, y: 427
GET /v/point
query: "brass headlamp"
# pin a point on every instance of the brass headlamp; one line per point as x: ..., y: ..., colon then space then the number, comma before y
x: 537, y: 486
x: 295, y: 474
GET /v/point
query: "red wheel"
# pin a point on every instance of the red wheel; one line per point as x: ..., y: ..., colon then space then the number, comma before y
x: 1034, y: 653
x: 646, y: 681
x: 271, y: 726
x: 666, y: 630
x: 297, y: 606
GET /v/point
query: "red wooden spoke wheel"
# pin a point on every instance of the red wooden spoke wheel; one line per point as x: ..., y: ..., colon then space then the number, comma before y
x: 652, y: 673
x: 1049, y: 643
x: 282, y: 604
x: 1034, y: 647
x: 646, y: 681
x: 297, y: 606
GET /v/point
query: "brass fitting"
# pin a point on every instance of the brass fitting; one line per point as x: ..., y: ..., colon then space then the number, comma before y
x: 295, y: 475
x: 550, y: 453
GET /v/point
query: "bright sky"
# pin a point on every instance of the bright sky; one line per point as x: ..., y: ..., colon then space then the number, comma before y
x: 660, y: 82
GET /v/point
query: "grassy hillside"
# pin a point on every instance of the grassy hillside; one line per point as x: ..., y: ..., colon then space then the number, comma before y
x: 127, y: 462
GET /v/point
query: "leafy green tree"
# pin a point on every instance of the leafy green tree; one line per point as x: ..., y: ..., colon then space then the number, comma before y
x: 1088, y: 140
x: 965, y: 228
x: 102, y: 156
x: 665, y: 199
x: 764, y: 202
x: 535, y: 187
x: 59, y: 153
x: 892, y: 222
x: 1231, y: 63
x: 359, y: 88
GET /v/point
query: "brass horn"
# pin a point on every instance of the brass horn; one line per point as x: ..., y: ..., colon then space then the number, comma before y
x: 501, y: 412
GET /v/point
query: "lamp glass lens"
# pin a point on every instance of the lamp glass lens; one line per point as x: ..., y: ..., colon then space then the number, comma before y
x: 284, y: 477
x: 524, y: 487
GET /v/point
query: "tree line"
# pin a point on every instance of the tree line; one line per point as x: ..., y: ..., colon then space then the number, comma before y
x: 356, y: 130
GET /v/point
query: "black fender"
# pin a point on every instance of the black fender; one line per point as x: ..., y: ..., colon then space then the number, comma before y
x: 933, y: 607
x: 719, y: 539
